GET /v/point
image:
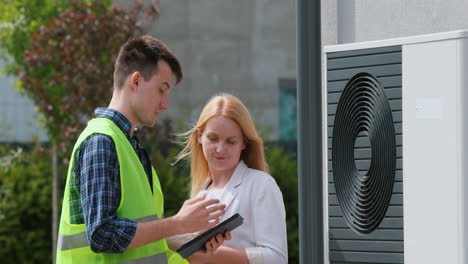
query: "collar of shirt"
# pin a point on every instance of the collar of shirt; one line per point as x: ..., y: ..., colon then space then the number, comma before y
x: 121, y: 121
x: 115, y: 116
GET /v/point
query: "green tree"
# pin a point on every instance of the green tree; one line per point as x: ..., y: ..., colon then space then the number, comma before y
x: 18, y: 21
x: 68, y: 69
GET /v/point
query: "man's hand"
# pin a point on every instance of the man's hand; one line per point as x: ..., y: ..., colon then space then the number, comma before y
x: 198, y: 214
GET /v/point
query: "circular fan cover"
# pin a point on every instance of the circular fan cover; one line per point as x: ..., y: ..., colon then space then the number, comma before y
x: 363, y: 109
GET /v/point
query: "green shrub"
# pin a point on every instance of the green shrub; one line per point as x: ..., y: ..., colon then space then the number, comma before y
x: 283, y: 168
x: 25, y: 206
x: 174, y: 180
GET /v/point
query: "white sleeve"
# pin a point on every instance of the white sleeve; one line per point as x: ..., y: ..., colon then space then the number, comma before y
x: 269, y: 220
x: 175, y: 242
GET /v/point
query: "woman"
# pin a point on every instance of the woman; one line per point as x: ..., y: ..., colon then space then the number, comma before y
x: 228, y: 162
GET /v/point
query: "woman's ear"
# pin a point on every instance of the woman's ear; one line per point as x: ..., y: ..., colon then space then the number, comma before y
x: 199, y: 136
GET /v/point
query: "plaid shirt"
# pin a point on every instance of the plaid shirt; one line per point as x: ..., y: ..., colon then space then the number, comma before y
x: 95, y: 188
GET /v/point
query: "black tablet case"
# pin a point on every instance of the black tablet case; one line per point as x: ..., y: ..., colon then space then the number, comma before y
x: 199, y: 242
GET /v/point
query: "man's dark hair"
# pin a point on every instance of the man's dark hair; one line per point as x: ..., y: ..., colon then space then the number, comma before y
x: 142, y: 54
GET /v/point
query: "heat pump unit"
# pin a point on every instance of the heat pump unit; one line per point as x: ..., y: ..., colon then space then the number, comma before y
x: 396, y: 150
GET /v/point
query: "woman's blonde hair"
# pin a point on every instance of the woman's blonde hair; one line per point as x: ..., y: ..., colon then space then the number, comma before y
x: 231, y: 107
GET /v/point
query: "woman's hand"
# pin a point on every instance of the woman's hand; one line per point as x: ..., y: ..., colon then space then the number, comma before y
x: 215, y: 242
x: 207, y: 255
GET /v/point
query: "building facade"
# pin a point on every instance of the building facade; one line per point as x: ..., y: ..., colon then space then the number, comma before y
x: 248, y: 48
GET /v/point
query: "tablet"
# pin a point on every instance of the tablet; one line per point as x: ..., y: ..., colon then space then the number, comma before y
x: 199, y: 242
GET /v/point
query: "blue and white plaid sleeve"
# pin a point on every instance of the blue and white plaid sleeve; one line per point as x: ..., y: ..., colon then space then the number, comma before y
x: 100, y: 196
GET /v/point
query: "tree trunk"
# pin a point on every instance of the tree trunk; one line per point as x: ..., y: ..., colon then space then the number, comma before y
x: 54, y: 200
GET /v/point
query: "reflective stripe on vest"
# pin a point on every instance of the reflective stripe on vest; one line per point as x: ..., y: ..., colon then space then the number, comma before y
x: 80, y: 240
x: 155, y: 259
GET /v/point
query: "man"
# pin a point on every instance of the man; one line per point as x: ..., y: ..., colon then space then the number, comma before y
x: 113, y: 204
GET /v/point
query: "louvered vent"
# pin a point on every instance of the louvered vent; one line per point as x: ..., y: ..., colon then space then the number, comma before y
x: 363, y: 111
x: 365, y: 181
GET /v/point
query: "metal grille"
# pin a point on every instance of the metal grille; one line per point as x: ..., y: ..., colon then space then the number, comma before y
x: 365, y: 226
x: 363, y: 110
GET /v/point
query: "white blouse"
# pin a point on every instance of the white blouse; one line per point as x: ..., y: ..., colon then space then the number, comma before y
x: 257, y: 198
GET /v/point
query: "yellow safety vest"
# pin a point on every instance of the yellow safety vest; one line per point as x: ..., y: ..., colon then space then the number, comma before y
x: 136, y: 203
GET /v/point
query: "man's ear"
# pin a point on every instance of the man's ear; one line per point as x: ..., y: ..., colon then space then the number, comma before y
x: 135, y: 79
